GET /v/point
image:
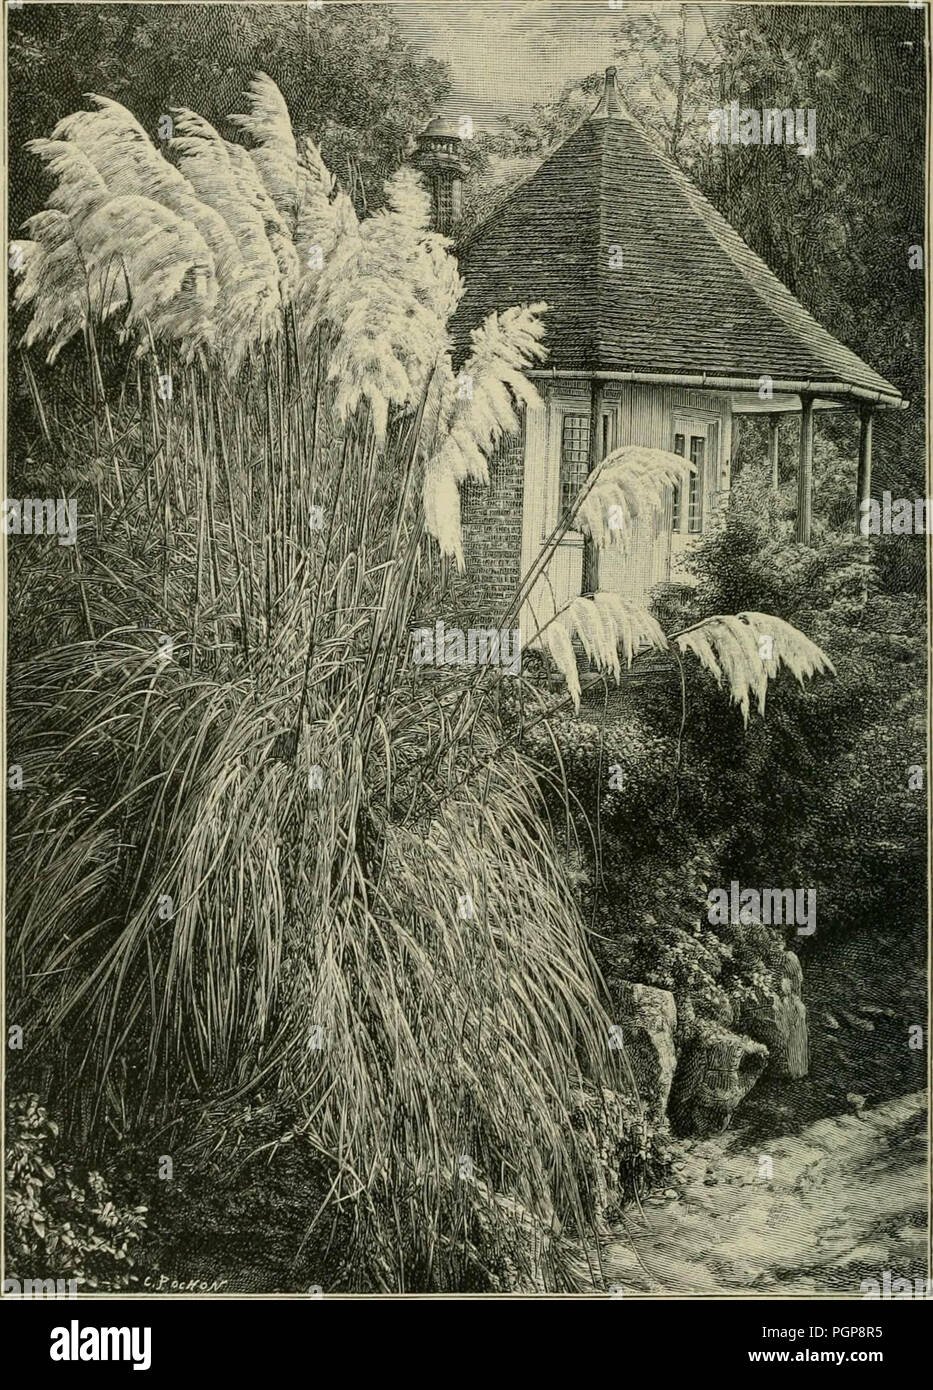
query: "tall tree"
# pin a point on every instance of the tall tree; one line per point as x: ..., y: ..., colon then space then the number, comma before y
x: 836, y: 226
x: 348, y: 75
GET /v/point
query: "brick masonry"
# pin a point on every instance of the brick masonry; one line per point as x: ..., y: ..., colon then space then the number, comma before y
x: 492, y: 533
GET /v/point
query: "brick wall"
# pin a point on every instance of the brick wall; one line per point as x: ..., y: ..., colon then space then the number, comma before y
x: 492, y: 533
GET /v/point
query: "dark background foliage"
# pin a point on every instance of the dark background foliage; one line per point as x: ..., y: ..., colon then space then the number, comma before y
x: 349, y: 77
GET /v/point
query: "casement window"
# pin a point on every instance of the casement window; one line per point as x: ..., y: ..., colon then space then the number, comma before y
x: 690, y: 504
x: 574, y: 457
x: 679, y: 445
x: 695, y: 500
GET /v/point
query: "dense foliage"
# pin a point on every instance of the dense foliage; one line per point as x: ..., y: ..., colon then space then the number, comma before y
x: 354, y: 83
x: 671, y: 798
x: 62, y: 1223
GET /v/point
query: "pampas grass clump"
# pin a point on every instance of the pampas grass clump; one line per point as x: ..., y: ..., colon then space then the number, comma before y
x: 253, y: 872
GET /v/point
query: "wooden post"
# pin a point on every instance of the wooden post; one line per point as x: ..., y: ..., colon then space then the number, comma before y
x: 775, y: 423
x: 864, y: 464
x: 590, y: 553
x: 805, y: 470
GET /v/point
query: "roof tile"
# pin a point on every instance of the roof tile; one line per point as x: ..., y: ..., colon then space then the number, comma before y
x: 690, y: 298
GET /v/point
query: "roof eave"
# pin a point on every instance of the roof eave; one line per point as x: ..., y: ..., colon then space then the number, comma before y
x: 883, y: 400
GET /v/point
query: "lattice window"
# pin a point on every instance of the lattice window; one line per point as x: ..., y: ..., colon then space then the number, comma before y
x: 574, y: 457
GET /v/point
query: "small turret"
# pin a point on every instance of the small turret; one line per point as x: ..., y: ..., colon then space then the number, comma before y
x: 439, y: 157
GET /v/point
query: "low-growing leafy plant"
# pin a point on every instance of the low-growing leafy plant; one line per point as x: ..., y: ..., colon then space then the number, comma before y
x: 63, y: 1221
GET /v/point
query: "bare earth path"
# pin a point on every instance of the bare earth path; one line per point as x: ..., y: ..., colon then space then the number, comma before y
x: 846, y: 1201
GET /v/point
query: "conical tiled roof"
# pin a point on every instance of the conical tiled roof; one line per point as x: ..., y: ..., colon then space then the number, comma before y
x: 690, y: 298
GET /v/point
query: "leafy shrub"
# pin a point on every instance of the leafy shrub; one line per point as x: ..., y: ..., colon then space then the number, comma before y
x: 902, y: 564
x: 643, y: 875
x: 616, y: 774
x: 816, y: 793
x: 63, y: 1222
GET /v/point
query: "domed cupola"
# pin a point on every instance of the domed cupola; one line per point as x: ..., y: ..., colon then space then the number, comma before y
x: 439, y: 157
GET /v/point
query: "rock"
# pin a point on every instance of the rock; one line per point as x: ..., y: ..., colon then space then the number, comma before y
x: 778, y: 1019
x: 649, y: 1020
x: 829, y: 1021
x: 791, y: 970
x: 716, y: 1071
x: 605, y: 1118
x: 856, y: 1101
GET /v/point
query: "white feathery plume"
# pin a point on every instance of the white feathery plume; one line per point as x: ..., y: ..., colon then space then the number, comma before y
x: 53, y: 280
x: 405, y: 230
x: 373, y: 294
x: 273, y: 151
x: 250, y: 302
x: 330, y: 250
x: 249, y: 185
x: 441, y: 502
x: 121, y: 151
x: 237, y: 256
x: 131, y: 167
x: 747, y: 650
x: 323, y: 213
x: 81, y: 189
x: 410, y: 201
x: 730, y: 647
x: 316, y: 219
x: 471, y: 423
x: 167, y: 264
x: 602, y: 624
x: 630, y: 483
